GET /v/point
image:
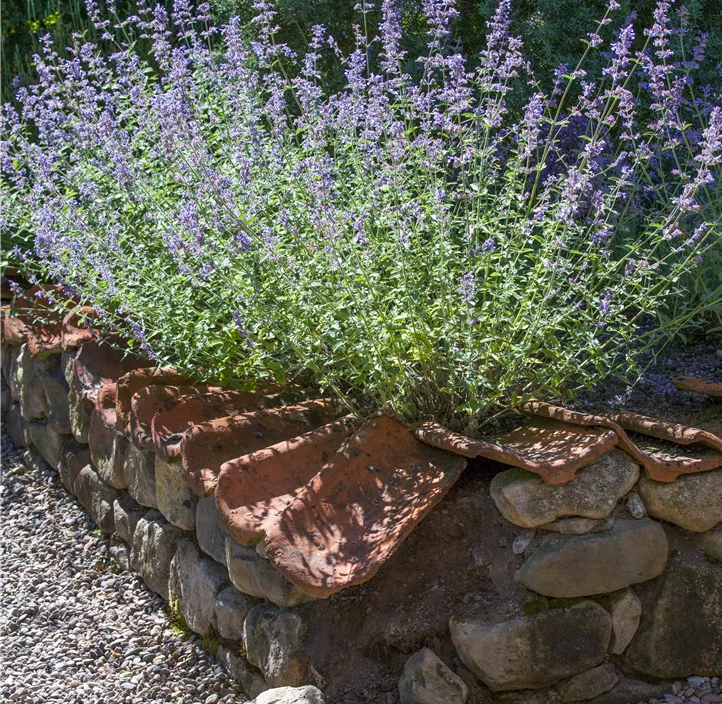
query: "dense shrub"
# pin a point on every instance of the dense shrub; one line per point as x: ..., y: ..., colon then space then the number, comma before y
x: 404, y: 240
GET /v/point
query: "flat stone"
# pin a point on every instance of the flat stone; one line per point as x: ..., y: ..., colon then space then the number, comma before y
x: 175, y: 500
x: 211, y: 532
x: 589, y: 684
x: 526, y: 500
x: 629, y: 691
x: 169, y: 425
x: 148, y: 401
x: 18, y: 429
x: 249, y: 677
x: 205, y: 447
x: 693, y: 501
x: 72, y: 459
x: 139, y: 471
x: 291, y: 695
x: 155, y: 542
x: 127, y: 512
x: 57, y: 408
x: 681, y: 628
x: 350, y: 518
x: 32, y: 459
x: 79, y: 411
x: 579, y: 526
x: 193, y: 586
x: 710, y: 542
x: 107, y: 447
x: 552, y: 449
x: 272, y: 639
x: 49, y: 443
x: 30, y: 383
x: 230, y: 612
x: 427, y: 680
x: 97, y: 497
x: 255, y: 489
x: 597, y: 563
x: 534, y: 651
x: 255, y: 576
x: 67, y: 361
x: 129, y: 384
x: 626, y: 610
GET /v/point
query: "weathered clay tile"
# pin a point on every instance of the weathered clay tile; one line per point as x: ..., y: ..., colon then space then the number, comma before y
x: 253, y: 490
x: 551, y: 448
x: 148, y: 401
x: 76, y: 328
x: 663, y: 464
x: 351, y: 517
x: 699, y: 386
x: 97, y: 364
x: 33, y: 321
x: 205, y: 447
x: 134, y: 381
x: 168, y: 425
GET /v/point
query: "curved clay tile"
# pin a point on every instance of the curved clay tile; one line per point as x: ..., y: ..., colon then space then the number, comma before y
x: 25, y: 325
x: 75, y: 328
x: 661, y: 465
x: 253, y: 490
x: 132, y: 382
x: 699, y: 386
x: 352, y: 516
x: 552, y: 448
x: 205, y: 447
x: 180, y: 414
x: 148, y: 401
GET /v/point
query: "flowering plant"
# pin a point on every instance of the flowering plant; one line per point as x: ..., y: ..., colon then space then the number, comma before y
x: 404, y: 241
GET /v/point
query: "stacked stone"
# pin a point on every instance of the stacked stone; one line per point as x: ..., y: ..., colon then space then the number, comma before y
x: 65, y: 404
x: 587, y: 544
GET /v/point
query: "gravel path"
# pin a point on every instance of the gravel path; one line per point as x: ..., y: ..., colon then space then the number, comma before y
x: 72, y: 628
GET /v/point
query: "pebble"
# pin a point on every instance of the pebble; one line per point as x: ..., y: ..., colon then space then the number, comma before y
x: 74, y: 629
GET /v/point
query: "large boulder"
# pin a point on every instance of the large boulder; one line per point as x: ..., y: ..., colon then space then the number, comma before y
x: 72, y: 459
x: 211, y: 531
x: 175, y: 500
x: 49, y: 443
x: 526, y: 500
x: 597, y: 563
x: 230, y: 611
x: 30, y: 382
x: 272, y: 639
x: 710, y: 543
x: 57, y: 410
x: 17, y: 427
x: 11, y: 359
x: 626, y: 610
x: 427, y: 680
x: 79, y: 412
x: 589, y: 684
x: 249, y: 677
x: 290, y: 695
x: 629, y: 691
x: 139, y: 471
x: 692, y: 501
x: 155, y: 542
x: 534, y: 651
x: 681, y: 629
x: 255, y: 576
x: 127, y: 512
x: 97, y: 497
x: 193, y: 586
x: 107, y: 448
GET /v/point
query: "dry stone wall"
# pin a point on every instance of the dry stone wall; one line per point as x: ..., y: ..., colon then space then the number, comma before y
x: 613, y: 580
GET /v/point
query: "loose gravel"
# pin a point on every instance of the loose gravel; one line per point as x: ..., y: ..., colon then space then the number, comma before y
x: 73, y: 628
